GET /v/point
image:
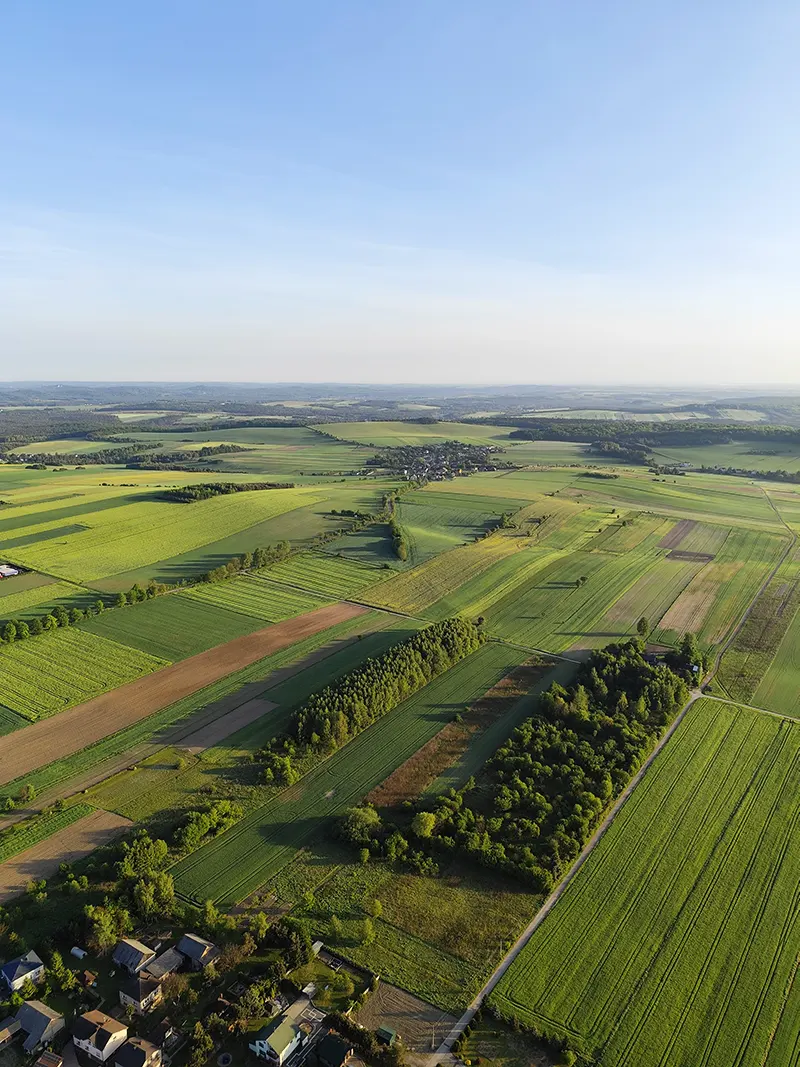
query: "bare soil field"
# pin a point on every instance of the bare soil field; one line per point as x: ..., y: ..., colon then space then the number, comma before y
x: 442, y: 751
x: 214, y: 732
x: 68, y: 845
x: 678, y: 532
x: 421, y: 1026
x: 38, y: 744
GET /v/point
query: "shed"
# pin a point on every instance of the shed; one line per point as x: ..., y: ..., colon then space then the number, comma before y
x: 386, y: 1036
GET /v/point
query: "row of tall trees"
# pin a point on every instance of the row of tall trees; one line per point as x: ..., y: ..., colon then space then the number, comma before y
x: 338, y: 712
x: 19, y: 629
x: 189, y: 494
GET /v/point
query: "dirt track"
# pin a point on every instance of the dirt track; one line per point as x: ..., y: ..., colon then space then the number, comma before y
x: 70, y: 844
x: 219, y: 729
x: 43, y: 742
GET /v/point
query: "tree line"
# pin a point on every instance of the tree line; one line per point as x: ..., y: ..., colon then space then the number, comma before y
x: 331, y: 717
x: 188, y: 494
x: 258, y: 559
x: 340, y: 711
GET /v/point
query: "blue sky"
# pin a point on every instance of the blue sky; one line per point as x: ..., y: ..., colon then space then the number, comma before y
x: 421, y: 191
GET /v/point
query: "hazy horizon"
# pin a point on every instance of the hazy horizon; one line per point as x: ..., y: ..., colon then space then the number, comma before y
x: 385, y: 194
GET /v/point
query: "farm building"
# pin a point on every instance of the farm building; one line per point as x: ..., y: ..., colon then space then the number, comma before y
x: 132, y: 955
x: 142, y: 993
x: 17, y: 971
x: 40, y: 1023
x: 167, y: 963
x: 199, y: 952
x: 98, y: 1035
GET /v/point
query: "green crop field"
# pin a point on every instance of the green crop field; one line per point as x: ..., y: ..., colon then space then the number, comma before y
x: 677, y: 942
x: 780, y: 686
x: 631, y: 530
x: 708, y: 497
x: 372, y: 546
x: 650, y: 596
x: 243, y: 858
x: 431, y: 527
x: 245, y: 683
x: 300, y: 525
x: 47, y: 674
x: 22, y: 836
x: 704, y: 538
x: 173, y: 627
x: 393, y: 434
x: 37, y: 599
x: 257, y: 597
x: 23, y: 583
x: 291, y: 450
x: 332, y: 576
x: 416, y: 589
x: 748, y: 661
x: 549, y: 610
x: 10, y: 721
x: 752, y: 455
x: 135, y: 535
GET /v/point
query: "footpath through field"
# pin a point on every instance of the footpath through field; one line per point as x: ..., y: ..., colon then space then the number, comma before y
x: 50, y: 739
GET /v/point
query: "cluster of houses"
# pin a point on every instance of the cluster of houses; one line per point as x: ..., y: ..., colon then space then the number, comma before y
x: 103, y: 1038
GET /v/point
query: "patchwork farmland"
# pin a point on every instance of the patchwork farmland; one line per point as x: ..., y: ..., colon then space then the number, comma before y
x: 157, y: 650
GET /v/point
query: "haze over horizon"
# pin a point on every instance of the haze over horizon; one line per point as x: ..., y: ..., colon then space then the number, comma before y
x: 375, y: 193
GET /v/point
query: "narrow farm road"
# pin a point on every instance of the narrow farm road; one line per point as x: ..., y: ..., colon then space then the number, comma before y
x: 548, y: 905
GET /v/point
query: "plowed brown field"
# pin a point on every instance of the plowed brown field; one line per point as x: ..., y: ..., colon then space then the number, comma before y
x: 68, y: 845
x: 50, y: 739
